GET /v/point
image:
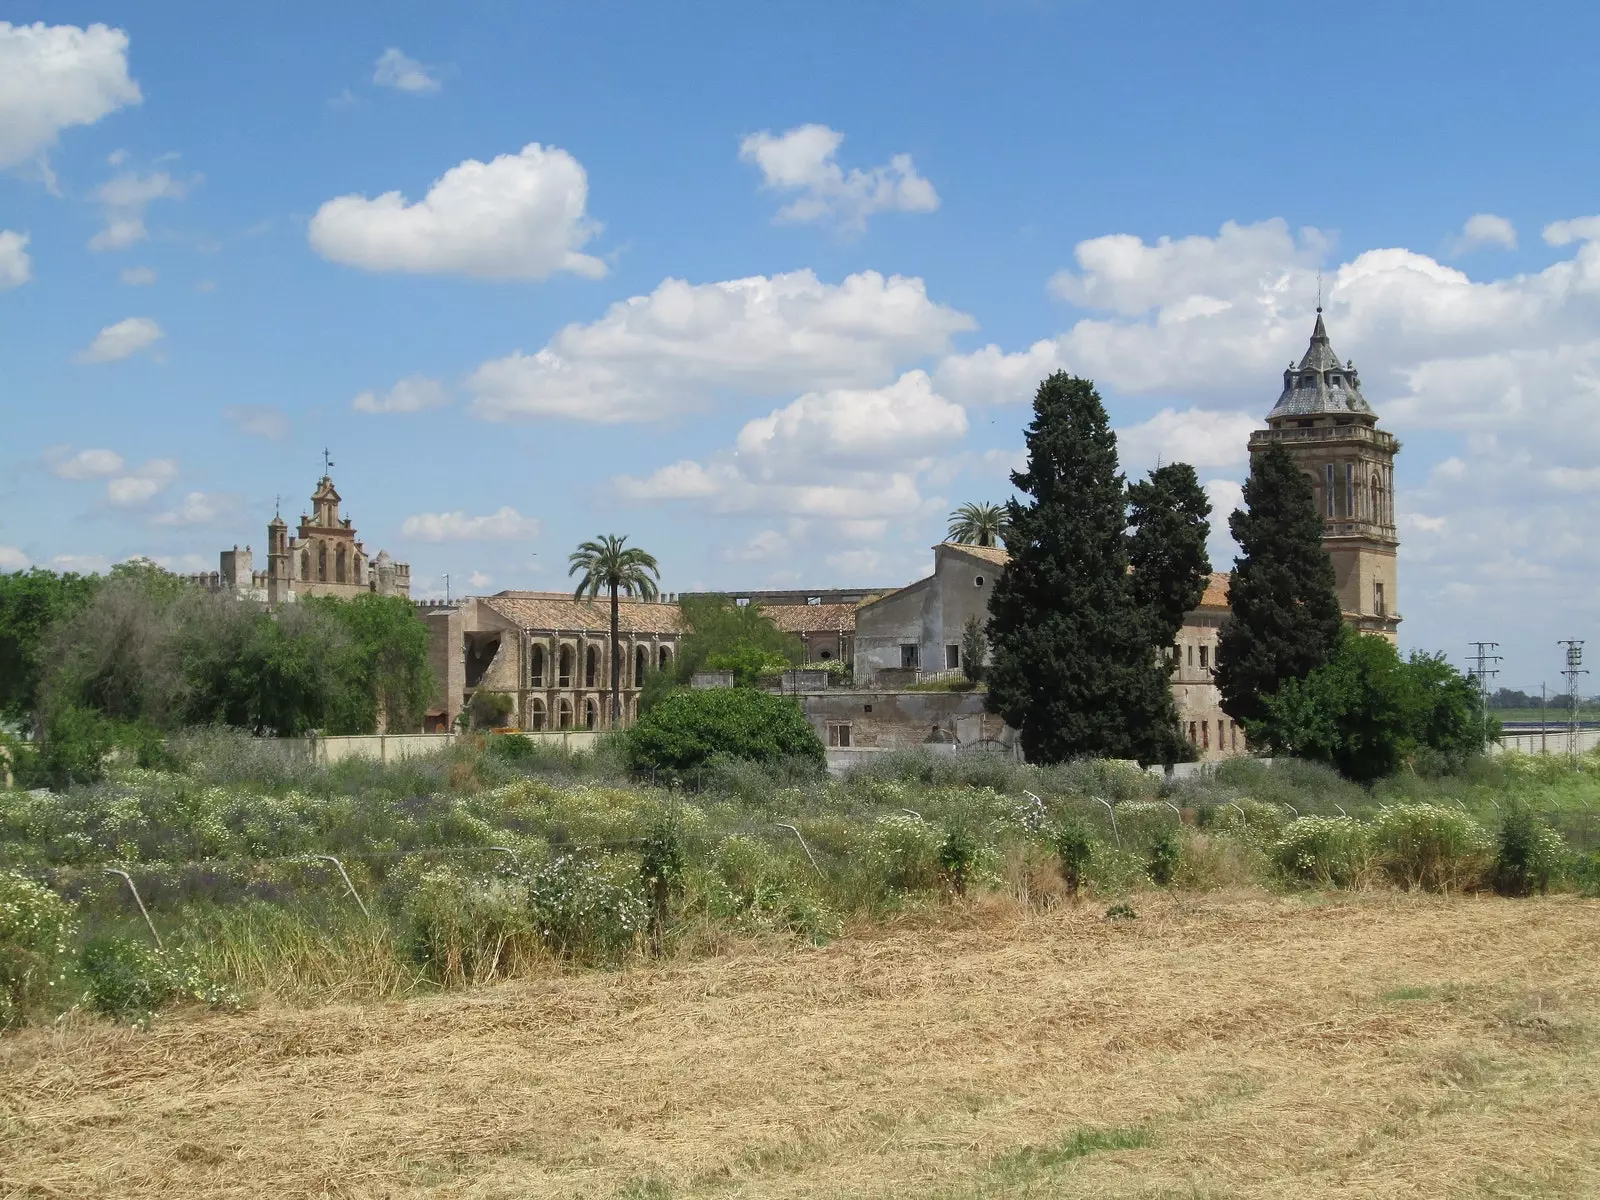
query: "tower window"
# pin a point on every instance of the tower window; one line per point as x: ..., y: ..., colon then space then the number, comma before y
x: 1329, y: 490
x: 1378, y: 605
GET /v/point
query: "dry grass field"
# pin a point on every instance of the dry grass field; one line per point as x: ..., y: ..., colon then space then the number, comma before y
x: 1226, y: 1046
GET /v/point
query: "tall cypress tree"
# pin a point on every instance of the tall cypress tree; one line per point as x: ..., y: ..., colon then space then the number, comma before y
x: 1073, y: 667
x: 1171, y: 519
x: 1284, y: 618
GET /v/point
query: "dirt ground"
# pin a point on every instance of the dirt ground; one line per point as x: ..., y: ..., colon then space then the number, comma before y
x: 1234, y: 1046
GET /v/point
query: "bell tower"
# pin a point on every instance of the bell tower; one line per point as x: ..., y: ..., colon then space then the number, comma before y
x: 1332, y: 434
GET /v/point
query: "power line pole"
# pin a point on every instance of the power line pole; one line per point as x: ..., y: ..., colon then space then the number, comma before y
x: 1573, y: 671
x: 1544, y: 719
x: 1484, y: 656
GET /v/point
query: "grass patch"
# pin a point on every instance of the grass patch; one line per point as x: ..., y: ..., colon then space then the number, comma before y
x: 1080, y: 1143
x: 1419, y: 992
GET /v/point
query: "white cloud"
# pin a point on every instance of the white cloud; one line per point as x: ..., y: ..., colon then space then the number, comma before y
x: 503, y: 525
x: 141, y: 485
x: 520, y: 216
x: 16, y: 268
x: 396, y: 70
x: 850, y: 455
x: 480, y: 579
x: 86, y: 464
x: 82, y: 564
x: 128, y: 336
x: 1578, y: 229
x: 1485, y: 229
x: 856, y: 562
x: 12, y: 559
x: 125, y: 198
x: 198, y: 508
x: 1225, y: 496
x: 259, y: 420
x: 1200, y: 438
x: 138, y: 276
x: 769, y: 543
x: 802, y: 160
x: 56, y: 76
x: 684, y: 344
x: 412, y: 394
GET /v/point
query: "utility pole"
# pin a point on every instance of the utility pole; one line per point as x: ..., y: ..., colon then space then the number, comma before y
x: 447, y: 588
x: 1574, y: 670
x: 1484, y: 656
x: 1544, y: 719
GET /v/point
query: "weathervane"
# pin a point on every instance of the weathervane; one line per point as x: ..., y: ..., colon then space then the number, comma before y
x: 1319, y: 291
x: 327, y: 463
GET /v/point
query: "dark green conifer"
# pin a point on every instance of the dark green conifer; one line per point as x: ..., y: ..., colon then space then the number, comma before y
x: 1171, y: 519
x: 1073, y: 667
x: 1284, y: 618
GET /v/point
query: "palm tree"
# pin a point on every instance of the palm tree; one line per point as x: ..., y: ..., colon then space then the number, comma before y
x: 606, y: 564
x: 980, y: 524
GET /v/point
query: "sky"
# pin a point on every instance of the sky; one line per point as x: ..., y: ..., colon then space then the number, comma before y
x: 769, y: 288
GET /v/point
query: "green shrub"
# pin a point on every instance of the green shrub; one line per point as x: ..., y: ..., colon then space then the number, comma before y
x: 588, y: 910
x: 1075, y: 849
x: 1431, y: 847
x: 689, y: 729
x: 1253, y: 821
x: 513, y: 747
x: 958, y: 858
x: 1327, y: 851
x: 661, y: 873
x: 1166, y: 850
x: 489, y: 710
x: 1528, y: 853
x: 463, y: 931
x: 903, y: 853
x: 36, y: 928
x: 131, y: 980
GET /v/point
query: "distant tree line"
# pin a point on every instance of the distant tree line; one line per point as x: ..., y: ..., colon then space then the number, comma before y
x: 90, y: 661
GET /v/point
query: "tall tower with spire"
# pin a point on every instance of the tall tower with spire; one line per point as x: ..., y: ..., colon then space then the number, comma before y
x: 1332, y: 434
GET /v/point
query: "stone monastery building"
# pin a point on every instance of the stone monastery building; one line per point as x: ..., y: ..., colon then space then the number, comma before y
x: 325, y: 557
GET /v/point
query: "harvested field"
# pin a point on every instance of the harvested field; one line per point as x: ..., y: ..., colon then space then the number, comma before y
x: 1227, y: 1046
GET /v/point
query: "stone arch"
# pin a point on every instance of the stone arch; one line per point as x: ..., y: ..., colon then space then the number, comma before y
x: 564, y: 667
x: 563, y: 714
x: 1375, y: 513
x: 591, y: 667
x: 338, y: 565
x: 305, y: 565
x: 536, y: 666
x: 536, y: 714
x: 663, y: 657
x: 322, y: 562
x: 641, y: 664
x: 591, y: 714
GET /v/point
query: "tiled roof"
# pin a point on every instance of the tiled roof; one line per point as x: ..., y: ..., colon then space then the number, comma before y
x: 994, y: 554
x: 1216, y: 594
x: 1310, y: 388
x: 558, y: 610
x: 812, y: 618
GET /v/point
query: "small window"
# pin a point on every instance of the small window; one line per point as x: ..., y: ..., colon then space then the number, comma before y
x: 952, y: 657
x: 1378, y: 600
x: 825, y: 655
x: 839, y: 736
x: 1205, y: 652
x: 1205, y: 735
x: 910, y: 657
x: 1333, y: 381
x: 978, y: 582
x: 813, y: 599
x: 1233, y: 735
x: 866, y: 708
x: 1193, y: 737
x: 1190, y: 655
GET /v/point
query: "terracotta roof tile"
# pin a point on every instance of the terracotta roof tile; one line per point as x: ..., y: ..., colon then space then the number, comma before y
x: 558, y: 610
x: 1216, y: 594
x: 812, y: 618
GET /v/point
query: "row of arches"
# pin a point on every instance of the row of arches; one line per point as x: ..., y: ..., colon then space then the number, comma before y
x: 567, y: 659
x: 346, y: 565
x: 539, y: 717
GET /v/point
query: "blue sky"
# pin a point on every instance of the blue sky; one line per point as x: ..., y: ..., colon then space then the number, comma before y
x: 768, y: 289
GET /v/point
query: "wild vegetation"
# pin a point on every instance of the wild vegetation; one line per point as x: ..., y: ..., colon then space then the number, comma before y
x: 502, y: 858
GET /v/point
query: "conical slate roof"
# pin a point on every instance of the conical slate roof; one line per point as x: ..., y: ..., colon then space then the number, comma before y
x: 1321, y: 384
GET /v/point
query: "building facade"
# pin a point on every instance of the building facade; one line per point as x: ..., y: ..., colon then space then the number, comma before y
x: 1332, y: 434
x: 549, y: 654
x: 325, y: 557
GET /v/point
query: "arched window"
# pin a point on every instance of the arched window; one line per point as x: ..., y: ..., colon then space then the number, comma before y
x: 564, y: 714
x: 338, y: 564
x: 825, y: 655
x: 536, y: 714
x: 322, y: 561
x: 536, y: 667
x: 1374, y: 513
x: 664, y: 658
x: 591, y: 667
x: 564, y: 668
x: 641, y: 664
x: 305, y: 565
x: 591, y: 714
